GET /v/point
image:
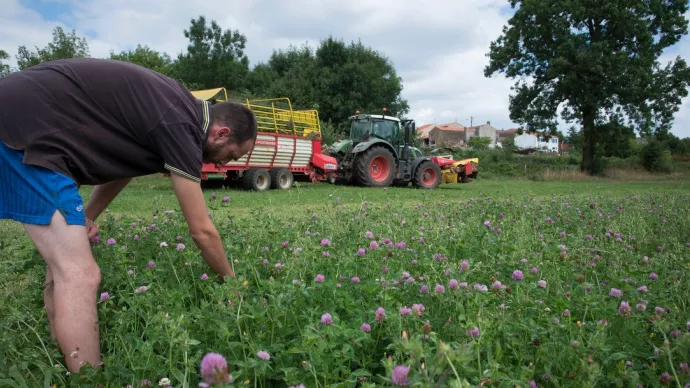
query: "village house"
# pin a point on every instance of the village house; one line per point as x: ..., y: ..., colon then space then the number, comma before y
x: 503, y: 134
x: 537, y: 141
x: 454, y: 135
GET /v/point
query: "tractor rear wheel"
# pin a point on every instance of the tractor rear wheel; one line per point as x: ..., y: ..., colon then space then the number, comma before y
x: 281, y: 178
x: 427, y: 175
x: 375, y: 167
x: 256, y: 179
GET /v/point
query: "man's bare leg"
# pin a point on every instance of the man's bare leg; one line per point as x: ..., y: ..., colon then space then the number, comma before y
x: 49, y: 302
x: 76, y: 277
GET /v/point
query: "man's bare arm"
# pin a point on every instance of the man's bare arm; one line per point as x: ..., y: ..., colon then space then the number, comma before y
x: 202, y: 230
x: 102, y: 195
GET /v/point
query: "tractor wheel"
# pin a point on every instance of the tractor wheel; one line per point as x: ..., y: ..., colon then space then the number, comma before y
x: 281, y: 178
x: 375, y: 167
x: 256, y: 179
x: 427, y: 175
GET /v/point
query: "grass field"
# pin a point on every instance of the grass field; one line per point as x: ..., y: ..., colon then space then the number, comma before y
x: 501, y: 283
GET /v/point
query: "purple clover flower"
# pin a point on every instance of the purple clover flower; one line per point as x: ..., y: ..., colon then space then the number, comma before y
x: 399, y: 376
x: 214, y: 369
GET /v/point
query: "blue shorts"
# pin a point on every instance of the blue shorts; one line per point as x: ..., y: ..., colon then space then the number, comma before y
x: 31, y: 194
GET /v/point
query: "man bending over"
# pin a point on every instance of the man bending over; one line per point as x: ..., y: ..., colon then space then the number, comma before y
x: 74, y: 122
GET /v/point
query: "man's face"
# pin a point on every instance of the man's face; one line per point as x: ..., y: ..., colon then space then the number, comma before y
x: 220, y: 150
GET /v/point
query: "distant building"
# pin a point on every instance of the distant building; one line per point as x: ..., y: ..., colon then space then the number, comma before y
x: 454, y: 135
x: 423, y: 132
x: 537, y: 141
x: 450, y: 135
x: 503, y: 134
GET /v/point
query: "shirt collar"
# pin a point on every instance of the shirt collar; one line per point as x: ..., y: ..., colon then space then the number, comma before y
x: 205, y: 115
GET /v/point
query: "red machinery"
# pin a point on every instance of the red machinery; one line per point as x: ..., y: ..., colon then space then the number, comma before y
x: 288, y: 145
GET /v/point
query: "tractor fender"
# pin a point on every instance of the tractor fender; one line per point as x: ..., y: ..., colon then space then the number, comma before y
x: 417, y: 161
x: 361, y: 147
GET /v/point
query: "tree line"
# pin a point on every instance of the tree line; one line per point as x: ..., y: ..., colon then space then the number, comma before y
x: 336, y: 78
x: 593, y: 63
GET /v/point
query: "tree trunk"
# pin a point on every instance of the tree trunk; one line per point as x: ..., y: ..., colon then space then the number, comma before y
x: 589, y: 143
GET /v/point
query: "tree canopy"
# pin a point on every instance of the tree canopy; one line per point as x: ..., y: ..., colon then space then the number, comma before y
x: 4, y: 68
x: 214, y: 57
x: 337, y: 78
x: 147, y: 57
x: 595, y: 60
x: 64, y: 45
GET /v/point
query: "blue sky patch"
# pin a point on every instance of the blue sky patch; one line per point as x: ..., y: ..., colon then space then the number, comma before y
x: 50, y: 10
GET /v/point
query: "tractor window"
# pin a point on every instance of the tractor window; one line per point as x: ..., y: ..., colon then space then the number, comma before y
x: 385, y: 129
x: 359, y: 129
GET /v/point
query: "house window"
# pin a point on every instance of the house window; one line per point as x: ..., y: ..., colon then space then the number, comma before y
x: 554, y: 140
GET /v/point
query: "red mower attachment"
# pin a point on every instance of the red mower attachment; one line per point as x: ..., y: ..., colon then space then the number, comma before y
x: 456, y: 171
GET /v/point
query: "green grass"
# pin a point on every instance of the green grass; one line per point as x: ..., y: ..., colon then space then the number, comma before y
x: 525, y: 333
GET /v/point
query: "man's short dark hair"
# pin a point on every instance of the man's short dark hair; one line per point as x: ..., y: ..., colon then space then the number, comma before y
x: 238, y: 118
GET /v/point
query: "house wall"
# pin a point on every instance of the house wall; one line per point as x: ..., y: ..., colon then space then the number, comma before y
x: 487, y: 130
x: 451, y: 139
x: 433, y: 137
x: 550, y: 143
x: 525, y: 141
x: 532, y: 141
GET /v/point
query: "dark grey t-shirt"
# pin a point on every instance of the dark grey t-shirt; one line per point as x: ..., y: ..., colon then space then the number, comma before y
x: 98, y: 120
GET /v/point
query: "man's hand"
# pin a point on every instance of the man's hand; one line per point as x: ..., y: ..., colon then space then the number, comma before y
x: 201, y: 228
x: 91, y: 228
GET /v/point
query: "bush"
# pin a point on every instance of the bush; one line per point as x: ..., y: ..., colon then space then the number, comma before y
x: 330, y: 133
x: 656, y: 157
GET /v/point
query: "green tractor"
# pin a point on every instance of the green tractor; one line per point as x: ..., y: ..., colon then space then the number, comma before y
x: 379, y: 153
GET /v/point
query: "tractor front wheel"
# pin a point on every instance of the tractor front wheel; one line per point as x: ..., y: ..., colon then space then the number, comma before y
x: 427, y: 175
x: 376, y: 167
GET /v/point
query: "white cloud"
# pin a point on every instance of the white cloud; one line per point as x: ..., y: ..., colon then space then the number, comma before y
x: 22, y: 26
x: 439, y: 48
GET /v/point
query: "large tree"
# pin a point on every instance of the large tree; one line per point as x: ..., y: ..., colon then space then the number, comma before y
x: 355, y: 76
x: 214, y: 57
x: 336, y: 78
x: 64, y: 45
x: 597, y: 60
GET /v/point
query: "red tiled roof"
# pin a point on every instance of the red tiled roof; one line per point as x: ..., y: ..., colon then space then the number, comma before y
x: 424, y: 129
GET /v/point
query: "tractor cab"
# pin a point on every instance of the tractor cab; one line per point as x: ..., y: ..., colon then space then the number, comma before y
x: 365, y: 127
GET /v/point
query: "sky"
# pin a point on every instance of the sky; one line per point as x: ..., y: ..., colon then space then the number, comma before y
x: 439, y: 48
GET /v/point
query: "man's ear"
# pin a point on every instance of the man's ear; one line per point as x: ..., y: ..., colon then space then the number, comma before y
x: 223, y: 132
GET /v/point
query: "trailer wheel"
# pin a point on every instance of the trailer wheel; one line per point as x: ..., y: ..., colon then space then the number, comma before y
x: 427, y: 175
x: 281, y: 178
x: 256, y: 179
